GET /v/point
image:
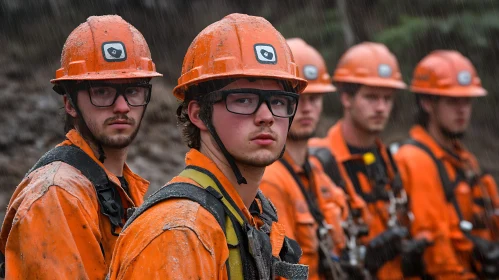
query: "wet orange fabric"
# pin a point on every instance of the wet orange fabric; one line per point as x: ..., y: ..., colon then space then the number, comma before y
x: 53, y: 228
x: 292, y: 209
x: 178, y: 238
x: 375, y: 214
x: 449, y: 257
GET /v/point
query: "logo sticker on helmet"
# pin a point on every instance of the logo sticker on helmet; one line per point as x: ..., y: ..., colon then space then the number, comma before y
x: 114, y: 51
x: 265, y: 54
x: 310, y: 72
x: 384, y: 70
x: 464, y: 78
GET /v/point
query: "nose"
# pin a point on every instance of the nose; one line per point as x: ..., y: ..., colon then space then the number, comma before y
x: 382, y: 104
x: 263, y: 116
x: 305, y: 105
x: 121, y: 106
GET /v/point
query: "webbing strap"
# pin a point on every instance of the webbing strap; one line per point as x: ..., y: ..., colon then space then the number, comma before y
x: 204, y: 180
x: 2, y: 265
x: 447, y: 184
x: 329, y: 164
x: 109, y: 198
x: 235, y: 260
x: 291, y: 271
x: 208, y: 199
x: 313, y: 207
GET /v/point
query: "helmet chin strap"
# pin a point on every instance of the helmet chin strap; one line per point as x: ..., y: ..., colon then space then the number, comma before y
x: 230, y: 159
x: 100, y: 149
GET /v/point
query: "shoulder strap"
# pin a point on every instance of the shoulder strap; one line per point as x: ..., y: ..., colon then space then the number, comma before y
x: 329, y: 164
x: 447, y: 184
x: 314, y: 209
x: 396, y: 184
x: 208, y: 198
x: 109, y: 199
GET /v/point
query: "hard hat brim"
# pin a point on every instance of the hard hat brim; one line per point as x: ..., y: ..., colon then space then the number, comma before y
x: 457, y: 91
x: 373, y: 82
x: 108, y: 75
x: 299, y: 84
x: 319, y: 88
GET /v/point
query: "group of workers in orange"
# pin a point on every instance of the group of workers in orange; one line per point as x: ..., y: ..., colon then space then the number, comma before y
x: 259, y: 197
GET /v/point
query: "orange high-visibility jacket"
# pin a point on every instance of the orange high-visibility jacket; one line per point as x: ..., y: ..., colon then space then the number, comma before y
x: 53, y: 228
x: 293, y: 212
x: 179, y: 239
x: 450, y: 256
x: 374, y: 214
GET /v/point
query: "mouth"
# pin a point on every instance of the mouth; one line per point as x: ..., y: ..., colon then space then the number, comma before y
x: 304, y: 121
x: 263, y: 139
x: 378, y: 118
x: 120, y: 124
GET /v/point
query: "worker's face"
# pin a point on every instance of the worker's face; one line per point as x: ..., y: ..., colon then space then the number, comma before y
x: 307, y: 116
x: 370, y: 108
x: 254, y: 140
x: 452, y: 115
x: 115, y: 126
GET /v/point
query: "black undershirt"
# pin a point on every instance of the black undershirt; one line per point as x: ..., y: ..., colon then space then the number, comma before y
x: 124, y: 184
x: 375, y: 172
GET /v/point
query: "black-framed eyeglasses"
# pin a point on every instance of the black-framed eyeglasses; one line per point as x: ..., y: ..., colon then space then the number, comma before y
x: 104, y: 94
x: 246, y: 101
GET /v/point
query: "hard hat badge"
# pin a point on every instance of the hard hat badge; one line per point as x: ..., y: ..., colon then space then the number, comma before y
x: 310, y: 72
x: 265, y: 54
x: 114, y: 51
x: 464, y: 78
x: 384, y: 70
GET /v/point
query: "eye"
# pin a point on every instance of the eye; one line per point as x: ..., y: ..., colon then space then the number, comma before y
x: 243, y: 100
x: 132, y: 91
x: 102, y: 91
x: 279, y: 101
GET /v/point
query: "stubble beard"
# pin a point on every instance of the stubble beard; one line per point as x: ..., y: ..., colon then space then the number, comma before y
x: 450, y: 134
x: 90, y: 131
x: 365, y: 127
x: 304, y: 136
x: 258, y: 162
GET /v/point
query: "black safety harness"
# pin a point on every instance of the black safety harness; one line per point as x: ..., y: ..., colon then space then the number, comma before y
x: 253, y: 244
x: 328, y: 268
x: 107, y: 194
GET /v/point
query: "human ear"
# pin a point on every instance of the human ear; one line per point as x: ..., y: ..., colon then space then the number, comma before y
x: 193, y: 111
x: 346, y: 100
x: 69, y: 107
x: 427, y: 105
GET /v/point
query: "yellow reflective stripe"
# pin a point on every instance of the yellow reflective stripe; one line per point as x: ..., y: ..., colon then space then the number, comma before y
x: 235, y: 261
x: 205, y: 181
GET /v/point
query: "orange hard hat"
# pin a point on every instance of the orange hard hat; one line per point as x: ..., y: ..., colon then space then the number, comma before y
x: 312, y: 66
x: 446, y: 73
x: 370, y: 64
x: 103, y: 48
x: 238, y: 46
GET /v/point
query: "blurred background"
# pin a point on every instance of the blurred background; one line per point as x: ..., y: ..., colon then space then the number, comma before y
x: 32, y: 33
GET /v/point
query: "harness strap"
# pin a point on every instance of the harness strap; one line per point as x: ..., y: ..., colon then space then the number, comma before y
x: 108, y: 197
x: 329, y: 164
x: 447, y: 184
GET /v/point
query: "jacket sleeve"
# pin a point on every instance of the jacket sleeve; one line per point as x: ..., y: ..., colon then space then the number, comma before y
x: 431, y: 215
x: 55, y: 238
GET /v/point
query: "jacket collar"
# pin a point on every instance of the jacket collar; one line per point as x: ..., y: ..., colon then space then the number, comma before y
x: 137, y: 185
